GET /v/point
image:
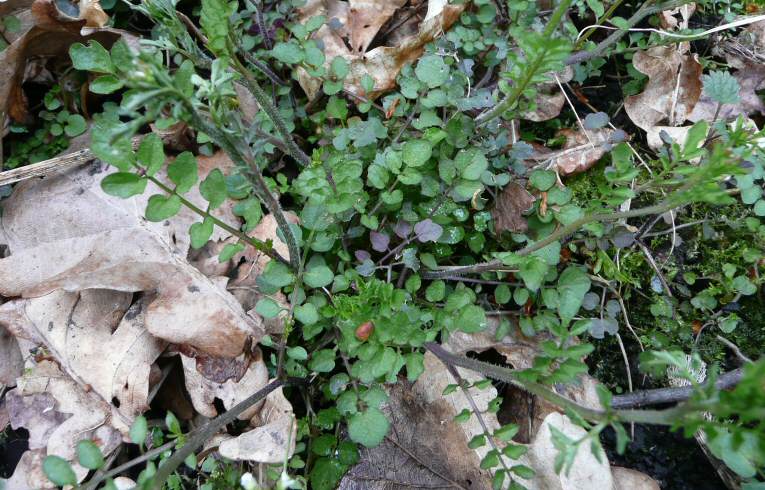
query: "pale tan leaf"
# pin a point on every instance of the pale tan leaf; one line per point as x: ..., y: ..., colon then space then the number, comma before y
x: 65, y: 233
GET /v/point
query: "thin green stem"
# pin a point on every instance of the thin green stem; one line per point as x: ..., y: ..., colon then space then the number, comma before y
x: 273, y: 113
x: 264, y: 247
x: 555, y: 236
x: 530, y: 72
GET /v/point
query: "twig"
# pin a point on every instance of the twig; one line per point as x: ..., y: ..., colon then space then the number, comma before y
x: 736, y: 350
x: 660, y: 396
x: 93, y: 482
x: 205, y: 432
x: 554, y: 236
x: 669, y: 416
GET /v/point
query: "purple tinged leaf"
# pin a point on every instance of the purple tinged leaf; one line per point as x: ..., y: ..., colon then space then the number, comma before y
x: 428, y: 231
x: 402, y: 229
x: 362, y: 255
x: 595, y: 120
x: 379, y: 241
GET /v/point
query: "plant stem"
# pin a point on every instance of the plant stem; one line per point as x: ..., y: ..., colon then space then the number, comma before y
x: 254, y: 242
x: 531, y: 70
x: 205, y: 432
x: 554, y: 236
x: 93, y: 483
x: 644, y: 11
x: 273, y: 113
x: 669, y: 416
x: 251, y: 171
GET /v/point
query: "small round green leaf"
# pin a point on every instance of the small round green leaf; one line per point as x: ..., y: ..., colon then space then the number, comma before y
x: 160, y: 208
x: 123, y: 184
x: 89, y: 455
x: 368, y: 428
x: 59, y: 471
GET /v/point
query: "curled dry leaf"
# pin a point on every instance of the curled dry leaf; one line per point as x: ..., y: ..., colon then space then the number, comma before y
x: 204, y: 391
x: 83, y: 415
x: 672, y: 91
x: 746, y: 54
x: 422, y: 424
x: 382, y: 63
x: 48, y: 33
x: 511, y: 204
x: 97, y: 338
x: 549, y: 99
x: 273, y: 438
x: 64, y: 232
x: 582, y: 150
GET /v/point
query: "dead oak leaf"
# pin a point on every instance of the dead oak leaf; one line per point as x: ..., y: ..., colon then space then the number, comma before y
x: 511, y: 204
x: 97, y: 338
x: 581, y: 150
x: 64, y: 232
x: 673, y: 88
x: 382, y: 63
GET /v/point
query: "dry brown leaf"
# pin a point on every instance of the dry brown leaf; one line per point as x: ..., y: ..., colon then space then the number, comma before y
x: 11, y: 361
x: 366, y: 17
x: 672, y: 91
x: 273, y: 438
x: 628, y: 479
x: 85, y: 415
x: 48, y: 34
x: 422, y: 424
x: 580, y: 151
x: 677, y: 19
x: 745, y: 53
x: 549, y: 99
x: 97, y: 338
x: 204, y: 391
x: 382, y: 63
x: 511, y: 204
x: 65, y: 233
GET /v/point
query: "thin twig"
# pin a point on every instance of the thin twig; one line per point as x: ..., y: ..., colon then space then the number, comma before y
x: 660, y: 396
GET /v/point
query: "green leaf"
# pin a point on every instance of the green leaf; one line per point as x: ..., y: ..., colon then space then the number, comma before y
x: 743, y: 285
x: 229, y: 251
x: 277, y: 274
x: 432, y: 70
x: 322, y: 361
x: 183, y: 172
x: 542, y: 179
x: 250, y: 210
x: 172, y: 423
x: 59, y: 471
x: 435, y: 291
x: 721, y: 87
x: 471, y: 319
x: 138, y: 430
x: 200, y: 233
x: 339, y: 67
x: 415, y: 365
x: 123, y: 184
x: 213, y: 188
x: 298, y: 353
x: 471, y: 163
x: 151, y: 153
x: 215, y: 23
x: 105, y: 84
x: 75, y: 125
x: 573, y: 284
x: 416, y: 153
x: 89, y: 455
x: 289, y: 53
x: 368, y: 428
x: 318, y: 276
x: 307, y: 314
x: 92, y: 57
x: 267, y: 308
x: 532, y: 270
x: 162, y: 207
